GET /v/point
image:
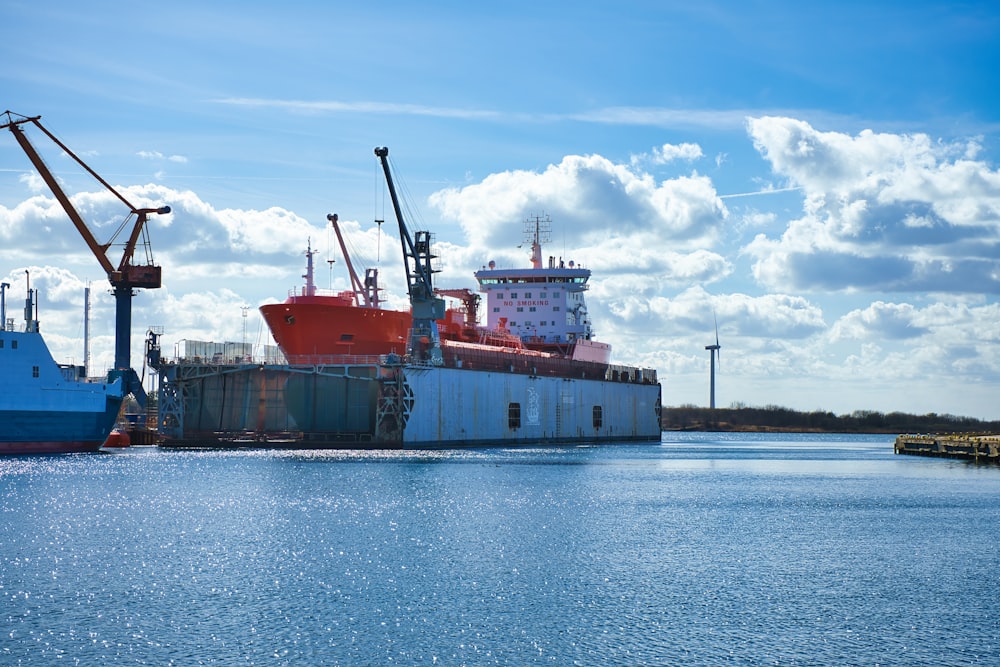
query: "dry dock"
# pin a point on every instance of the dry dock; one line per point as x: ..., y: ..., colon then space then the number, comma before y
x: 982, y: 447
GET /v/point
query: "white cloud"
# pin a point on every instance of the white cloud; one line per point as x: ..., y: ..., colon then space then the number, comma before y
x: 33, y: 181
x: 157, y: 155
x: 596, y: 198
x: 671, y: 152
x: 882, y: 211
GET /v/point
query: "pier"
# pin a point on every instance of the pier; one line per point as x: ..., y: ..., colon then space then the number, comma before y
x: 981, y: 448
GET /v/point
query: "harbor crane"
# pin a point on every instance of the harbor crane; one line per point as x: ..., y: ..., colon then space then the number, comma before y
x: 425, y: 305
x: 126, y: 276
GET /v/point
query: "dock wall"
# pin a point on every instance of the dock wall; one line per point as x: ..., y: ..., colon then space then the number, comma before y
x: 364, y: 402
x: 983, y: 448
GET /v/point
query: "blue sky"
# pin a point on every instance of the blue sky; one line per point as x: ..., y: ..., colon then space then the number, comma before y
x: 822, y: 181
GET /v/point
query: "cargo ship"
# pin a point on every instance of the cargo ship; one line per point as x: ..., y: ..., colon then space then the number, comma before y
x: 534, y: 372
x: 312, y: 324
x: 316, y: 326
x: 45, y: 407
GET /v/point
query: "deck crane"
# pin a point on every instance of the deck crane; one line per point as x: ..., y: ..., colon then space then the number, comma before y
x: 126, y: 276
x: 368, y: 290
x: 426, y: 307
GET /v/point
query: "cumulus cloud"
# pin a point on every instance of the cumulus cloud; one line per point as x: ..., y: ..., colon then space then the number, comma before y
x: 596, y: 198
x: 883, y: 320
x: 668, y: 153
x: 768, y: 315
x: 33, y: 181
x: 881, y: 211
x: 671, y: 152
x: 945, y: 338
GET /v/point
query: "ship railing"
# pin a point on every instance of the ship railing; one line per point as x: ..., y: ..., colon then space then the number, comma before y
x: 320, y: 291
x: 333, y: 359
x: 633, y: 374
x: 541, y: 365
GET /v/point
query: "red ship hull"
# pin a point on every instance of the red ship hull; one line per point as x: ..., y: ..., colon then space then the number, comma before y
x: 321, y: 326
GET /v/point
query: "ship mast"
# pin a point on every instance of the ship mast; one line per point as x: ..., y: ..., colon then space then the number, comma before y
x: 534, y: 229
x: 310, y: 289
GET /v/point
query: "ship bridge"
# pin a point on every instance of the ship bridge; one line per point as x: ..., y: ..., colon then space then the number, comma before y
x: 542, y: 306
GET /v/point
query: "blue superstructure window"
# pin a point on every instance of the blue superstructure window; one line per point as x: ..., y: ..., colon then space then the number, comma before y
x: 34, y: 371
x: 598, y: 416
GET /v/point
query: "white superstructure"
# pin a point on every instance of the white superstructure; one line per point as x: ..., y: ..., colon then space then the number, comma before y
x: 543, y: 305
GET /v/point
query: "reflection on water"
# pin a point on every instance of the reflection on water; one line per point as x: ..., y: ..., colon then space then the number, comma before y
x: 702, y: 549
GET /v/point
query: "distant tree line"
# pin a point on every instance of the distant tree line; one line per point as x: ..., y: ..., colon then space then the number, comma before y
x: 740, y: 417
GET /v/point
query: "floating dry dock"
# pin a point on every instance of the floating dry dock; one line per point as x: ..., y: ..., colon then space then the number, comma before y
x: 221, y: 399
x: 984, y: 447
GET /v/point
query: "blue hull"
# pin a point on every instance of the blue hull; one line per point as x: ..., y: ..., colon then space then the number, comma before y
x: 48, y: 409
x: 53, y: 432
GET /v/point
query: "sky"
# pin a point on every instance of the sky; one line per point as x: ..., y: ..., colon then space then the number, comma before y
x: 818, y: 186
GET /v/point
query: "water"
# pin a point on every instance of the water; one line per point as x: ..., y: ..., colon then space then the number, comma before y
x: 705, y: 549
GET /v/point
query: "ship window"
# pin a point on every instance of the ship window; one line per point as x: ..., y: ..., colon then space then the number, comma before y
x: 34, y: 371
x: 520, y: 309
x: 531, y: 309
x: 598, y: 416
x: 555, y: 309
x: 496, y: 309
x: 527, y: 295
x: 499, y: 295
x: 543, y: 323
x: 513, y: 295
x: 13, y: 344
x: 1, y: 343
x: 346, y: 337
x: 514, y: 415
x: 543, y: 295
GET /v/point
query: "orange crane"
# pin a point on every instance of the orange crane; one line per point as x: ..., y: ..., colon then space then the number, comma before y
x: 124, y: 277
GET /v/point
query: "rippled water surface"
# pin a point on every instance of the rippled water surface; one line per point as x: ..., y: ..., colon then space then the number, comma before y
x: 704, y: 549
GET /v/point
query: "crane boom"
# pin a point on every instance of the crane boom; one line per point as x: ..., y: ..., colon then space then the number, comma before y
x: 100, y: 252
x: 426, y: 307
x: 367, y: 289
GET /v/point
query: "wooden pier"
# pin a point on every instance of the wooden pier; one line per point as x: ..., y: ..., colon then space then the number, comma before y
x: 978, y: 447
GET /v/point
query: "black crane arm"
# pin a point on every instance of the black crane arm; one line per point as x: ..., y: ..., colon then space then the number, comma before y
x: 426, y: 306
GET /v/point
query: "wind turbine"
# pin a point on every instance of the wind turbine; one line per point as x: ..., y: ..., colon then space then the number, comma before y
x: 713, y: 352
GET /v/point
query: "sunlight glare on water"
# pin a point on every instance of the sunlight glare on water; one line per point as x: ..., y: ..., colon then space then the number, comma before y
x: 704, y: 549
